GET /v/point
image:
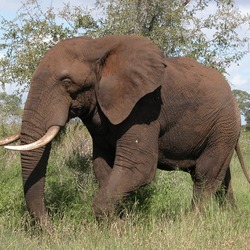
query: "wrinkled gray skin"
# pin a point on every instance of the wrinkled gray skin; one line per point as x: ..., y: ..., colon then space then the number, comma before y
x: 143, y: 111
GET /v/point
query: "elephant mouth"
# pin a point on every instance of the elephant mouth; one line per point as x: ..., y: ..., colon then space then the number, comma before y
x: 48, y: 137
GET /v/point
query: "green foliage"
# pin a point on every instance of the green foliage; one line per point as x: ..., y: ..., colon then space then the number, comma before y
x: 171, y: 192
x: 243, y: 99
x: 70, y: 193
x: 247, y: 117
x: 11, y: 194
x: 10, y: 108
x: 181, y: 27
x: 30, y: 34
x: 10, y: 114
x: 177, y: 27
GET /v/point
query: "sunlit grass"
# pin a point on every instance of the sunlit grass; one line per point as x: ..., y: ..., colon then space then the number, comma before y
x: 155, y: 217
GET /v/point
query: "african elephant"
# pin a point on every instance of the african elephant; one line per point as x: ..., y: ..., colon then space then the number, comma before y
x: 142, y: 111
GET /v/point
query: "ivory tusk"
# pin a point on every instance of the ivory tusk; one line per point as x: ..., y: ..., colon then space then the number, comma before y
x: 48, y: 137
x: 10, y: 139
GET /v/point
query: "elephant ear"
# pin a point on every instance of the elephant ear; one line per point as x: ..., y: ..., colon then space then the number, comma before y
x: 131, y: 67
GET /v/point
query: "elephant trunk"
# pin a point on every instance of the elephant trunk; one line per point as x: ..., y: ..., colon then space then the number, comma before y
x: 37, y: 119
x: 34, y: 164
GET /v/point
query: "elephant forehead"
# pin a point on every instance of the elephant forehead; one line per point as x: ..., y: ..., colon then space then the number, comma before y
x: 72, y: 69
x: 53, y: 60
x: 61, y: 62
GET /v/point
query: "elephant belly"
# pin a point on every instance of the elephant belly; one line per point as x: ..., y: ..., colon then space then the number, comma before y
x: 180, y: 151
x: 168, y: 164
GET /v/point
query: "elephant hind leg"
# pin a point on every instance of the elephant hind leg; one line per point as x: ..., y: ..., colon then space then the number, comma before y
x: 211, y: 173
x: 224, y: 194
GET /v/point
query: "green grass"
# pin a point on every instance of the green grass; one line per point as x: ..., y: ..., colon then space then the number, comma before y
x: 155, y: 217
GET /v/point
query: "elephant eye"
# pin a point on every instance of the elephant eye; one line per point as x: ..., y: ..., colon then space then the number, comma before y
x: 66, y: 83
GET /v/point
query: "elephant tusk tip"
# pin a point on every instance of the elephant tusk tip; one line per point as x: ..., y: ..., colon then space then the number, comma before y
x: 20, y: 148
x: 10, y: 139
x: 11, y: 148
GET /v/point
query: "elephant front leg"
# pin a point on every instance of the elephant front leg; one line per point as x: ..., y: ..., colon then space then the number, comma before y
x: 134, y: 166
x: 103, y: 161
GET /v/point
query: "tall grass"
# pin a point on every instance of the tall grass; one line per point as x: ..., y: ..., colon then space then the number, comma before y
x: 155, y: 217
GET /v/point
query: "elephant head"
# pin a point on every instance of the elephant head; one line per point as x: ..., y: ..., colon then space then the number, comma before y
x: 74, y: 77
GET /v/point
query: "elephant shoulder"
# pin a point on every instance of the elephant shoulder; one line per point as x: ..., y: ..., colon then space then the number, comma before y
x: 193, y: 71
x: 183, y: 63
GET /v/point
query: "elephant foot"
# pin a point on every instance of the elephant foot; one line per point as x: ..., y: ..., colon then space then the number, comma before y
x: 201, y: 201
x: 104, y: 213
x: 104, y: 207
x: 46, y: 225
x: 41, y: 224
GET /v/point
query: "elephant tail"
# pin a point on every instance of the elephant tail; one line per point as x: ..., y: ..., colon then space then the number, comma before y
x: 242, y: 164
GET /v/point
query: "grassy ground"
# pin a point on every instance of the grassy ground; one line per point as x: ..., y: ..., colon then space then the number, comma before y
x: 156, y: 217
